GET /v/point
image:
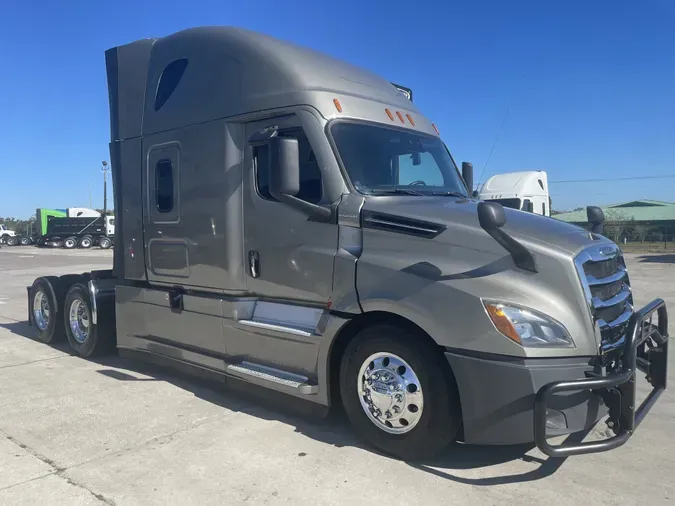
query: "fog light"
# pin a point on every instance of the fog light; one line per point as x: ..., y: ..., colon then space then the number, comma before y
x: 555, y: 419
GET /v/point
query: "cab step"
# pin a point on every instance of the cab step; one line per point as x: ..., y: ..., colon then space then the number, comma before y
x: 249, y: 370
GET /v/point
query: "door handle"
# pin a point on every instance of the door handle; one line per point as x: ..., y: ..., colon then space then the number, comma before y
x: 254, y: 263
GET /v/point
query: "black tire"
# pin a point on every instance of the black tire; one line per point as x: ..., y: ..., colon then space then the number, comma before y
x: 86, y: 242
x: 105, y: 243
x: 12, y: 241
x: 40, y: 242
x: 25, y: 241
x: 54, y: 331
x: 70, y: 242
x: 440, y: 420
x: 99, y: 339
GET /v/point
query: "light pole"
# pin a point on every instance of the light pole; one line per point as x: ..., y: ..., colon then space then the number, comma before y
x: 104, y: 168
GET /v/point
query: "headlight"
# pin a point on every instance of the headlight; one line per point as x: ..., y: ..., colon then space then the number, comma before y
x: 527, y: 327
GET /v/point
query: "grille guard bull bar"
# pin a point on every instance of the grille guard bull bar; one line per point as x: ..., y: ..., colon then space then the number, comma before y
x: 645, y: 350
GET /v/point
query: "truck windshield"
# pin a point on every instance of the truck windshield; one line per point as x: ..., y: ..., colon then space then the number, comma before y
x: 381, y: 160
x: 512, y: 203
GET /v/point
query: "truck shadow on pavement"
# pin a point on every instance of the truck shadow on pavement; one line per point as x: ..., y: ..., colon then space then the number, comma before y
x: 329, y: 428
x: 667, y: 258
x: 332, y: 428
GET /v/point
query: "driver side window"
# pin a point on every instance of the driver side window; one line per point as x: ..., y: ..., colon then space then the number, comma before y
x: 426, y: 171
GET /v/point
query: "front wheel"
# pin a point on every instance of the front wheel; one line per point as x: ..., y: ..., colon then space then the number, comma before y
x: 12, y: 241
x: 25, y: 241
x: 398, y: 394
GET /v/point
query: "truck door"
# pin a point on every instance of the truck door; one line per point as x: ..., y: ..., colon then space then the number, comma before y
x: 289, y: 257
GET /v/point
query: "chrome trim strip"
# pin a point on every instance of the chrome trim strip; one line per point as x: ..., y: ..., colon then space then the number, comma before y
x: 619, y: 320
x: 613, y: 278
x: 278, y: 328
x: 94, y: 310
x: 605, y: 347
x: 620, y: 297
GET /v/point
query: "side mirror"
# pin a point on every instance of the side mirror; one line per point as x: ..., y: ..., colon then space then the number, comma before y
x: 467, y: 175
x: 528, y: 206
x: 416, y: 159
x: 596, y: 217
x: 491, y: 215
x: 284, y: 163
x: 284, y: 167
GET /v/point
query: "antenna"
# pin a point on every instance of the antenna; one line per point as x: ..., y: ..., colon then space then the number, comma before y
x: 494, y: 143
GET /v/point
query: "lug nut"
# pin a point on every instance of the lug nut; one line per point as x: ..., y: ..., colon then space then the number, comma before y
x: 388, y: 414
x: 399, y: 398
x: 396, y: 409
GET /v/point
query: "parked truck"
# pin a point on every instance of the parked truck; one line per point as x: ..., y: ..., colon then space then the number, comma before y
x: 525, y: 190
x: 290, y: 221
x: 67, y: 228
x: 6, y: 234
x: 84, y: 231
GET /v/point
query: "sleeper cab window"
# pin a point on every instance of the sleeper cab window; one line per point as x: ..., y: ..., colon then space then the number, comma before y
x: 311, y: 189
x: 164, y: 187
x: 168, y: 81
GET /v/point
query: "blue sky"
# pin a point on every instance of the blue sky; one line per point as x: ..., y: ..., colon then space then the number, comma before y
x: 591, y: 83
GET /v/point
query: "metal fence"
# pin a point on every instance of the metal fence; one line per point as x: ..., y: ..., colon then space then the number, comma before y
x: 653, y: 241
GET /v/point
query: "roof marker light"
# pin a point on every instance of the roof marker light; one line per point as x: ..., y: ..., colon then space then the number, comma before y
x: 400, y: 116
x: 337, y: 105
x: 391, y: 116
x: 410, y: 119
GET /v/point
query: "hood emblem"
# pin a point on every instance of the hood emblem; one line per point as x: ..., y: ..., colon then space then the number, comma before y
x: 607, y: 251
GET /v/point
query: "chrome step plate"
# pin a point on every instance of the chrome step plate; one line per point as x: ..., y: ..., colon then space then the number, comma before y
x: 273, y: 375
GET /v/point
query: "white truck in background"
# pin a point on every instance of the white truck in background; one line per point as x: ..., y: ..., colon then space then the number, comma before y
x: 525, y: 190
x: 5, y: 234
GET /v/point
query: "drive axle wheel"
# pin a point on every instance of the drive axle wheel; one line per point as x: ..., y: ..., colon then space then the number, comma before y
x: 43, y: 310
x: 398, y: 393
x: 86, y: 242
x: 86, y: 338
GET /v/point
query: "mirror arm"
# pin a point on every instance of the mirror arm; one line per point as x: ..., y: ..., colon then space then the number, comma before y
x: 315, y: 211
x: 520, y: 254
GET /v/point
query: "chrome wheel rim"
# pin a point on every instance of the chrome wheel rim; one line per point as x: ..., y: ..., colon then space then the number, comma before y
x: 41, y: 310
x: 390, y: 393
x: 79, y: 320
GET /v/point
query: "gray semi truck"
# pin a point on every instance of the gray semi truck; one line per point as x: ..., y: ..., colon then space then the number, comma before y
x: 288, y: 220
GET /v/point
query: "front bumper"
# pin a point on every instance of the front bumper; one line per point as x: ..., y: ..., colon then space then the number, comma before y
x: 506, y: 400
x: 645, y: 350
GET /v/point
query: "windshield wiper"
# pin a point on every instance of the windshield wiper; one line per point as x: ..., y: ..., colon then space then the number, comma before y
x: 397, y: 191
x: 450, y: 194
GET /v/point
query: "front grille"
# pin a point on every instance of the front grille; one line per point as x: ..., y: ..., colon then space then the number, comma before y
x: 604, y: 277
